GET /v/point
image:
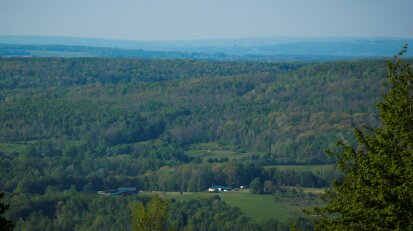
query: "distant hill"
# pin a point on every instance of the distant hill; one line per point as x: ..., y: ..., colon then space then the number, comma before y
x: 254, y: 49
x: 293, y: 110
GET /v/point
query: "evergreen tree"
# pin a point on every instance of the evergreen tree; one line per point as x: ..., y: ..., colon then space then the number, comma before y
x: 376, y: 191
x: 4, y: 223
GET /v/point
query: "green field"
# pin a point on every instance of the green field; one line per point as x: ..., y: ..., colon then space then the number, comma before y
x: 316, y: 191
x: 303, y: 168
x: 255, y: 206
x: 214, y: 150
x: 9, y: 147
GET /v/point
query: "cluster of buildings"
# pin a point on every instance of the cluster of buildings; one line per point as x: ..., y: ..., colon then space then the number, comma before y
x: 126, y: 191
x: 216, y: 188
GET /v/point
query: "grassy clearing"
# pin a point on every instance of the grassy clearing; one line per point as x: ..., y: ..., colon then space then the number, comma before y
x: 257, y: 207
x: 316, y: 191
x: 9, y: 147
x: 214, y: 150
x: 303, y: 168
x: 213, y: 153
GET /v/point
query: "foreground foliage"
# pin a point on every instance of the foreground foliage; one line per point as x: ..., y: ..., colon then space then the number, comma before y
x: 72, y: 210
x: 5, y: 224
x: 376, y: 191
x: 152, y: 217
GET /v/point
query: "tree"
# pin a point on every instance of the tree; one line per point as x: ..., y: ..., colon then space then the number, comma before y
x: 256, y: 185
x: 376, y: 190
x: 153, y: 217
x: 268, y: 186
x: 4, y: 223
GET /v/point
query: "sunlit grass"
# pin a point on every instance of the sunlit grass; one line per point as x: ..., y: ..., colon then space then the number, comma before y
x: 257, y: 207
x: 10, y: 147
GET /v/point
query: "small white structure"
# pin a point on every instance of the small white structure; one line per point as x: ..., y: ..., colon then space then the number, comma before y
x: 219, y: 189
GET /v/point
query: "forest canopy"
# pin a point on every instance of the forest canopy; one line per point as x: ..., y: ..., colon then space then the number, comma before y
x: 72, y: 127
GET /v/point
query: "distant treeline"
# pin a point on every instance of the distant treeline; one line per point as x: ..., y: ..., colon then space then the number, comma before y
x: 280, y: 52
x: 64, y: 72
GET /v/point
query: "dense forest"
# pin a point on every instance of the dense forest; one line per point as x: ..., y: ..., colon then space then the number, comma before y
x: 71, y: 127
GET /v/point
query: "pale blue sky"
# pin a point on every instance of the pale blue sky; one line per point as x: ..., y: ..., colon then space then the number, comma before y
x: 196, y: 19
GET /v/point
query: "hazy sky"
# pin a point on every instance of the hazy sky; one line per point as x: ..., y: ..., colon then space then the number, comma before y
x: 196, y: 19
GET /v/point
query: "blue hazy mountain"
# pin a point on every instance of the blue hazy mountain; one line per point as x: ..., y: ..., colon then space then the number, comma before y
x: 281, y: 48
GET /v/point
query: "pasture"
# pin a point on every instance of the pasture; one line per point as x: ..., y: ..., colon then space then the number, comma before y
x: 257, y: 207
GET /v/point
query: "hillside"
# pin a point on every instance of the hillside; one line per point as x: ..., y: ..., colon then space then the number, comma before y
x: 294, y: 111
x: 87, y: 124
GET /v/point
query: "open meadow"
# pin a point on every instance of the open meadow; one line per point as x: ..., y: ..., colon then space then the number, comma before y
x: 257, y: 207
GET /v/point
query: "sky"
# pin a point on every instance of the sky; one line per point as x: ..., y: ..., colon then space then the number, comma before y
x: 206, y: 19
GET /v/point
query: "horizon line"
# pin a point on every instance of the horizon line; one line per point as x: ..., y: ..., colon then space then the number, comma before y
x: 217, y: 39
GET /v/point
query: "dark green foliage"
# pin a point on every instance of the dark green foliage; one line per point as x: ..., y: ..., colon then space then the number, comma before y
x: 376, y: 191
x: 5, y: 224
x: 70, y: 211
x: 209, y: 214
x: 256, y: 186
x: 300, y: 178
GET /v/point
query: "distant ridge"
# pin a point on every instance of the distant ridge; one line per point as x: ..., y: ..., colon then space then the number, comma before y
x: 293, y: 48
